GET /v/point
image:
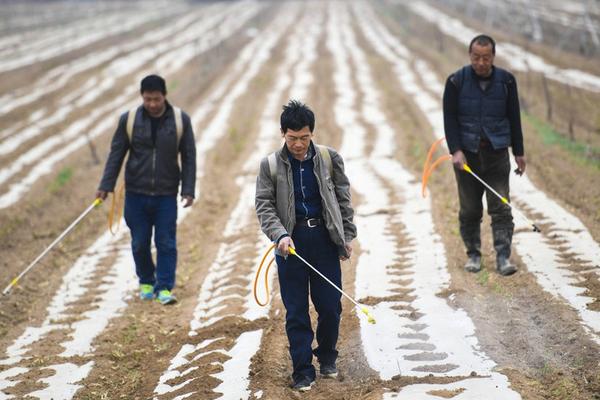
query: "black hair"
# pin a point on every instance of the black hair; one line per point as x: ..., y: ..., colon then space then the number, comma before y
x: 153, y: 83
x: 296, y: 116
x: 483, y: 40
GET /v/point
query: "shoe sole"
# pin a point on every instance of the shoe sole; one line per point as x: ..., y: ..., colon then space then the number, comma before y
x: 508, y: 272
x: 167, y: 302
x: 306, y: 388
x: 330, y: 376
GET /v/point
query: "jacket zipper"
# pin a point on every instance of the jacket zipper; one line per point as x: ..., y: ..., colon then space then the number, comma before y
x: 153, y: 167
x: 301, y: 169
x: 291, y: 208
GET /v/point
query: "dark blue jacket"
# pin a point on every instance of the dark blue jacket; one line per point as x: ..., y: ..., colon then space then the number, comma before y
x: 472, y: 114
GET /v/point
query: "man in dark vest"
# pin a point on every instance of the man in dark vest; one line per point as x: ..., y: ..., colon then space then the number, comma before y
x: 481, y: 121
x: 155, y: 134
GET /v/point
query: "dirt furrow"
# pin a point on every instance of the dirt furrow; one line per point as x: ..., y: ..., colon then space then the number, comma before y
x: 491, y: 315
x: 236, y: 262
x: 206, y: 350
x: 57, y: 78
x: 174, y: 56
x: 564, y: 230
x: 401, y: 270
x: 80, y: 35
x: 67, y: 304
x: 225, y: 305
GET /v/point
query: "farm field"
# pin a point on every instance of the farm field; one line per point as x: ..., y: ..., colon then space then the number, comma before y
x: 374, y: 73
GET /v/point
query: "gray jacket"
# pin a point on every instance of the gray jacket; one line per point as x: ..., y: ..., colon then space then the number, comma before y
x: 275, y: 205
x: 153, y: 168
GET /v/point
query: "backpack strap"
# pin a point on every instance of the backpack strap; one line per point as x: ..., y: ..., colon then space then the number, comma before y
x: 273, y: 167
x: 130, y: 121
x: 178, y: 123
x: 326, y: 156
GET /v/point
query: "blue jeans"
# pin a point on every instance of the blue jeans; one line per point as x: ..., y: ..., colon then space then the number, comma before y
x: 295, y: 280
x: 144, y: 213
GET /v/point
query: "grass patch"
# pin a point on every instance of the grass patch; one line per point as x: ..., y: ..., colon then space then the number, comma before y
x: 564, y: 388
x: 582, y: 153
x: 501, y: 290
x: 546, y: 370
x: 131, y: 332
x: 117, y: 354
x: 63, y: 177
x: 483, y: 277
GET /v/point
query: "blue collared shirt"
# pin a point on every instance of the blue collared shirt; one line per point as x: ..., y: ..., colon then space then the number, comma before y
x: 306, y: 189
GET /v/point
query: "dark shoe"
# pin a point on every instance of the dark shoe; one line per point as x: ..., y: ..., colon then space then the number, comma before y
x: 329, y: 371
x: 303, y: 385
x: 473, y: 264
x: 505, y: 267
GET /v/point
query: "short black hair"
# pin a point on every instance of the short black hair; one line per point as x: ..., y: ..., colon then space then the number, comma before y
x: 296, y: 116
x: 153, y: 83
x: 483, y: 40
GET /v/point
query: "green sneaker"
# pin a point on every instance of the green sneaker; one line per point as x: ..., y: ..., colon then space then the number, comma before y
x: 165, y: 297
x: 146, y: 291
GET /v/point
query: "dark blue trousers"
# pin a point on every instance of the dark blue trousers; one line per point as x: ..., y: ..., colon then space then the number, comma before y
x: 144, y: 214
x: 296, y: 280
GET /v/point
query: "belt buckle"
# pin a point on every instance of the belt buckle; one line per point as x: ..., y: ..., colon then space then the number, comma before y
x: 309, y: 221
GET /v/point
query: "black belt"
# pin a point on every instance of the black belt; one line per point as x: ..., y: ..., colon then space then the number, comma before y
x: 311, y: 222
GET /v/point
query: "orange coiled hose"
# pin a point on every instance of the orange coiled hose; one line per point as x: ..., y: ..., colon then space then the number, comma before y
x: 427, y: 168
x: 262, y: 262
x: 116, y: 208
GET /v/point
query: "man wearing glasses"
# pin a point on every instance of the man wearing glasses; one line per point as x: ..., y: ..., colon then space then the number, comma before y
x: 481, y: 121
x: 303, y: 201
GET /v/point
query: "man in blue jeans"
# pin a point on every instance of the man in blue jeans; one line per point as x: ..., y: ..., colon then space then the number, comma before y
x: 155, y: 134
x: 303, y: 201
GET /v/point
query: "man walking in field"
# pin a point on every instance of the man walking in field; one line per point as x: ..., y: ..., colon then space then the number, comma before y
x: 155, y: 134
x: 303, y: 201
x: 482, y: 120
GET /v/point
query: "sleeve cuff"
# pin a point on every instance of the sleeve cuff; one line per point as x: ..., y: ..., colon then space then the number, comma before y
x: 281, y: 237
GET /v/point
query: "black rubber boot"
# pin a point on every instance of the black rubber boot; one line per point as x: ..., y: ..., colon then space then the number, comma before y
x: 472, y: 240
x: 505, y: 267
x: 473, y: 264
x: 502, y: 244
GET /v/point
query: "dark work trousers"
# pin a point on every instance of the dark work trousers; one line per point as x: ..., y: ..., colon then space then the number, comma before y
x: 144, y: 214
x: 493, y: 166
x: 295, y: 281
